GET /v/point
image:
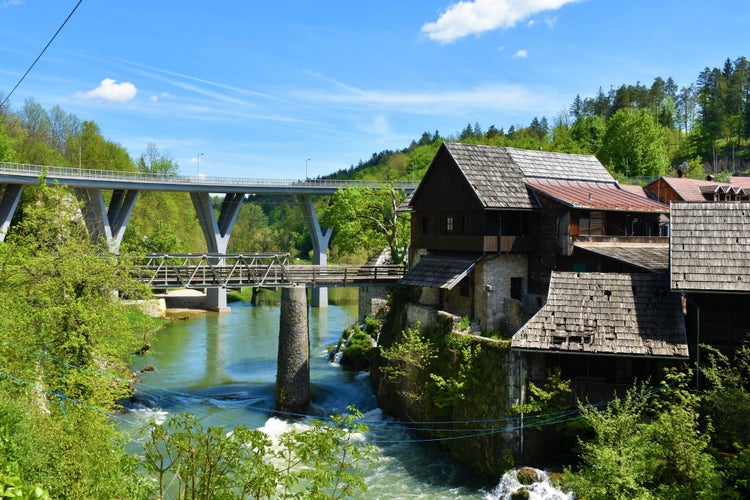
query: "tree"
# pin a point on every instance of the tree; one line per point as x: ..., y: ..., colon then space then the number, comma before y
x: 588, y: 132
x: 154, y: 161
x: 366, y: 220
x: 64, y: 340
x: 633, y: 144
x: 650, y: 444
x: 7, y: 152
x: 322, y: 460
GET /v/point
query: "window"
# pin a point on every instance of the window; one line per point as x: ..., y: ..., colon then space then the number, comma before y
x: 516, y: 288
x: 424, y: 225
x: 591, y: 224
x: 449, y: 224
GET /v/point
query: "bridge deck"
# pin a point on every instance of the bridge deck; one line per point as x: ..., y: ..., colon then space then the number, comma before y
x: 164, y: 271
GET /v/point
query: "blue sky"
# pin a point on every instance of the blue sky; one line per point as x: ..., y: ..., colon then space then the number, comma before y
x: 260, y: 87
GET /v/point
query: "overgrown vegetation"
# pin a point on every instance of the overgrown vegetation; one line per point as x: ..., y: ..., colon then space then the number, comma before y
x: 323, y: 460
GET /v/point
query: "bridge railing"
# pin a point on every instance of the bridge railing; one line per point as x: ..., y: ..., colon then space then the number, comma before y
x: 164, y: 271
x: 34, y: 171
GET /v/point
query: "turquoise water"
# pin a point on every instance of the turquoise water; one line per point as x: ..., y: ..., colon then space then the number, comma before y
x: 222, y: 368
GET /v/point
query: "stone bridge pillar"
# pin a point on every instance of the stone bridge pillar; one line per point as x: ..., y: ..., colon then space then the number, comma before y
x: 320, y: 239
x: 217, y: 233
x: 293, y: 368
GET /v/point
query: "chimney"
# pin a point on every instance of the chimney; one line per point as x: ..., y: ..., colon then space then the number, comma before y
x: 680, y: 173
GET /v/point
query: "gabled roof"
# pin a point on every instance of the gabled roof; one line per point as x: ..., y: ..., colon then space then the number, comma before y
x: 595, y: 196
x: 607, y: 314
x: 688, y: 189
x: 710, y: 247
x: 491, y: 173
x: 550, y: 165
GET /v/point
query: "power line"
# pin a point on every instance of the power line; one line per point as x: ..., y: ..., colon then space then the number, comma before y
x: 41, y: 53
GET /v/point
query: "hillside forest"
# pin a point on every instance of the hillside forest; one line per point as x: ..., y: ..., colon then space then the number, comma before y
x: 637, y: 131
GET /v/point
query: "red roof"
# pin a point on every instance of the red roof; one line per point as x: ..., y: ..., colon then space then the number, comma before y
x: 690, y: 189
x: 595, y: 196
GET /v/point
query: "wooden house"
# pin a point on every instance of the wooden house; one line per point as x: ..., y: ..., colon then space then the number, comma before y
x: 602, y: 331
x: 669, y: 189
x: 489, y: 225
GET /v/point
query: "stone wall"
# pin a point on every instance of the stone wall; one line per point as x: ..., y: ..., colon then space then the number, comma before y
x: 372, y: 301
x: 492, y: 287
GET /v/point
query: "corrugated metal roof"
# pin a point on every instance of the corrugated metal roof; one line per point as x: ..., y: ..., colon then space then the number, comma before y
x: 710, y: 246
x: 608, y: 314
x: 439, y: 271
x: 551, y: 165
x: 595, y: 196
x: 491, y: 173
x: 648, y: 256
x: 689, y: 189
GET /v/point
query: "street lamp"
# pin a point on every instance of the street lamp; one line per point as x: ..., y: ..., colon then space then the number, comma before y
x: 198, y: 163
x: 306, y: 176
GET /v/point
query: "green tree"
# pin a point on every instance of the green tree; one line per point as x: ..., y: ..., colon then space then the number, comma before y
x: 154, y: 161
x: 367, y: 220
x: 322, y: 461
x: 64, y: 339
x: 7, y: 152
x: 588, y: 132
x: 650, y: 444
x: 633, y: 144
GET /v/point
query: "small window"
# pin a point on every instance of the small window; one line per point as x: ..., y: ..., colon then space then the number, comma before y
x: 516, y: 288
x: 449, y: 224
x: 424, y: 225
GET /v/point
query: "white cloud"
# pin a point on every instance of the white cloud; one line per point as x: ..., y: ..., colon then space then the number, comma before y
x: 472, y: 17
x: 10, y: 3
x: 521, y: 54
x: 110, y: 90
x: 550, y: 21
x: 162, y: 95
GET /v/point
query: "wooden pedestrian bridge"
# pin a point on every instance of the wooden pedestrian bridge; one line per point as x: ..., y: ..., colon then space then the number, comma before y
x: 268, y: 270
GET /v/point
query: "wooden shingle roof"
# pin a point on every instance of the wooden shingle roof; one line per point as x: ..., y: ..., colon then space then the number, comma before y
x: 710, y: 247
x: 439, y: 271
x: 607, y: 314
x: 550, y: 165
x: 490, y: 171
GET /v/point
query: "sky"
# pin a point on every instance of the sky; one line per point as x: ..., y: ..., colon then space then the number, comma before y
x: 294, y: 89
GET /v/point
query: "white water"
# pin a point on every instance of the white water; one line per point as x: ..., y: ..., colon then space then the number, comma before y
x: 222, y: 368
x: 542, y: 489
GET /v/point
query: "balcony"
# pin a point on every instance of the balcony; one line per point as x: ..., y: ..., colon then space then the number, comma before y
x: 468, y: 243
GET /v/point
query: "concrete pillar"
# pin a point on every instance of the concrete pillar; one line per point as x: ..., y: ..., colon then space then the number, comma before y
x: 320, y: 239
x: 217, y: 233
x: 107, y: 223
x: 11, y: 195
x: 293, y: 369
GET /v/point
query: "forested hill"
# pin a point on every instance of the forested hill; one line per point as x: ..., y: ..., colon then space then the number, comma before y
x: 636, y: 130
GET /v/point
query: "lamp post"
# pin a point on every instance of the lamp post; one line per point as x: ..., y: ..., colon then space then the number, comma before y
x: 306, y: 176
x: 198, y: 163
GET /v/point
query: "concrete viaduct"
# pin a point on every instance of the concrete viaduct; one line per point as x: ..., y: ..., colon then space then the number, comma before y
x: 108, y: 221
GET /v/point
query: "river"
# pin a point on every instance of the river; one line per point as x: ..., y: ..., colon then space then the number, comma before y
x: 222, y: 368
